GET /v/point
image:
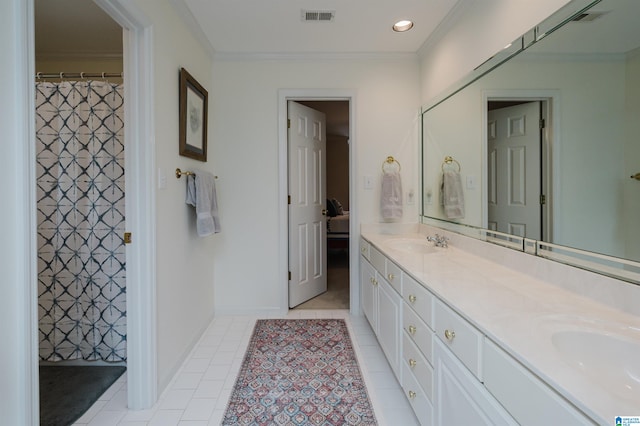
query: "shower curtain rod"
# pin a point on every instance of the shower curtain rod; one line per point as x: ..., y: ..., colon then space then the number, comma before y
x: 81, y: 75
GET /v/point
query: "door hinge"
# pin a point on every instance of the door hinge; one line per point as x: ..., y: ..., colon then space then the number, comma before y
x: 542, y: 123
x: 288, y: 199
x: 289, y: 275
x: 127, y: 238
x: 543, y: 199
x: 288, y: 123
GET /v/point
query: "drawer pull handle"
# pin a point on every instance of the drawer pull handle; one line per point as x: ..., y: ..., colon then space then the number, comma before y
x: 412, y: 394
x: 391, y: 277
x: 412, y: 363
x: 412, y: 329
x: 449, y: 335
x: 412, y: 298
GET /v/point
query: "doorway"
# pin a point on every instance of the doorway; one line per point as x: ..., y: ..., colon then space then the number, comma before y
x: 336, y: 205
x: 316, y: 95
x: 80, y: 191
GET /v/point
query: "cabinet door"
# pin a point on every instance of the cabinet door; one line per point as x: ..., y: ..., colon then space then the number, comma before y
x: 389, y: 303
x: 460, y: 399
x: 369, y: 293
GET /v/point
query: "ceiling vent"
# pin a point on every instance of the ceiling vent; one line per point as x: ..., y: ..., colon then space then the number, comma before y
x: 589, y: 16
x: 318, y: 15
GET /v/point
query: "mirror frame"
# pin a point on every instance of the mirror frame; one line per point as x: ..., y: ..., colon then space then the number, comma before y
x: 619, y: 268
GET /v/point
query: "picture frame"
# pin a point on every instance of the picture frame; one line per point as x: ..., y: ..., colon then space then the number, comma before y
x: 193, y: 118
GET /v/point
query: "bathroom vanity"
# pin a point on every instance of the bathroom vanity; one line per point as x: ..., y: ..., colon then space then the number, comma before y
x: 473, y: 339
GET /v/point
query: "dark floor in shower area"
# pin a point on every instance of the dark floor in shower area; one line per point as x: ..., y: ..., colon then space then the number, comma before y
x: 67, y: 392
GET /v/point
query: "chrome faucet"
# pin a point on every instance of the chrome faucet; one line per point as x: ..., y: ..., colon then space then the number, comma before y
x: 439, y: 240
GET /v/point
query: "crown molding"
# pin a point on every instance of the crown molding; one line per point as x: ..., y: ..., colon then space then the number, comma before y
x: 313, y: 57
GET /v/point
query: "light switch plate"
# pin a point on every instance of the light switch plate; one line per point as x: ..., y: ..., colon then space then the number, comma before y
x: 368, y: 182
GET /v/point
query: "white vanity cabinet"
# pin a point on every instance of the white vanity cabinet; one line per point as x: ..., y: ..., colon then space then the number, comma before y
x: 508, y: 380
x: 369, y: 293
x: 417, y: 348
x: 450, y: 371
x: 460, y: 399
x: 381, y: 303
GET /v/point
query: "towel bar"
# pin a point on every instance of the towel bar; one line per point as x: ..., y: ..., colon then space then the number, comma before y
x: 180, y: 173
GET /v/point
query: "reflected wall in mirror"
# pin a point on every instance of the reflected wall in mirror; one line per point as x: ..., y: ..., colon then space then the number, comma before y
x: 574, y: 96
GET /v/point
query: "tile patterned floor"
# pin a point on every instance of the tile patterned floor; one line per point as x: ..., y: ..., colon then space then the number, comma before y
x: 198, y: 394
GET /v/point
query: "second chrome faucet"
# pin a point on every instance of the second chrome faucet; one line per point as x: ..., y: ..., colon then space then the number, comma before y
x: 439, y: 240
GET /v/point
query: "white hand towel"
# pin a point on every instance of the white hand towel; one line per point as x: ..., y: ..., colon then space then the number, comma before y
x: 201, y: 193
x: 452, y: 195
x: 391, y: 196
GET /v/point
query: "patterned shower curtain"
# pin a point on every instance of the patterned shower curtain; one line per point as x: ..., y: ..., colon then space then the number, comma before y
x: 80, y: 193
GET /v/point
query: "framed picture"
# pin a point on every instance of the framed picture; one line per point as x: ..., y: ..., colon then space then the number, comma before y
x: 193, y: 117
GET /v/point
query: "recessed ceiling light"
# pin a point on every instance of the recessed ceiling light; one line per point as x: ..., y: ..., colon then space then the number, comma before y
x: 402, y: 26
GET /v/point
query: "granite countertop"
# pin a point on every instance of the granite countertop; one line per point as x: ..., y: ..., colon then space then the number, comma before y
x: 522, y: 314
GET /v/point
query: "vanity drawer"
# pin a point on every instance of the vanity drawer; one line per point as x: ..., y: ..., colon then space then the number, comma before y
x: 394, y: 276
x: 418, y: 332
x: 418, y: 366
x: 417, y: 397
x: 418, y: 298
x: 364, y: 248
x: 525, y: 396
x: 463, y: 339
x: 377, y: 259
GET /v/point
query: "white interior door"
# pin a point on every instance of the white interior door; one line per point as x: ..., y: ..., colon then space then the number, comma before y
x: 514, y: 170
x: 307, y: 215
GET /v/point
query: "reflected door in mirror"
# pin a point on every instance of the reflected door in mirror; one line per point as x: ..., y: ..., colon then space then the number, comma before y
x: 514, y: 170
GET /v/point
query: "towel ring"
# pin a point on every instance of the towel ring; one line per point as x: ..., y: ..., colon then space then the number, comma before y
x: 390, y: 160
x: 448, y: 160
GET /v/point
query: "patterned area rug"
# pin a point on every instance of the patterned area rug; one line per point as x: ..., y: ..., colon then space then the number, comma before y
x: 299, y: 372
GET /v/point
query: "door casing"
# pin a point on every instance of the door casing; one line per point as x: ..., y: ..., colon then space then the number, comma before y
x: 285, y: 95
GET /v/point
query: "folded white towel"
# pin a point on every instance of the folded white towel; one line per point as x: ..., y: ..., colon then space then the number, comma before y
x: 452, y: 195
x: 201, y: 193
x: 391, y: 196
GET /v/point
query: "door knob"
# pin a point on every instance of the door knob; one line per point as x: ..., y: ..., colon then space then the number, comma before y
x: 324, y: 212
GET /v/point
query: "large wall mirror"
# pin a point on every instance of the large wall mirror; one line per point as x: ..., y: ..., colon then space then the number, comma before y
x: 546, y: 144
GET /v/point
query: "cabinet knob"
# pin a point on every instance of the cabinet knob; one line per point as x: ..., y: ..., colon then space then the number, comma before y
x: 391, y: 277
x: 412, y: 363
x: 412, y: 394
x: 375, y: 282
x: 412, y: 298
x: 412, y: 329
x: 449, y: 334
x: 363, y: 249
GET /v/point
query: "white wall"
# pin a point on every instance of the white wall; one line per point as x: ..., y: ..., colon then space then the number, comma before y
x: 472, y: 34
x: 184, y: 271
x: 244, y: 151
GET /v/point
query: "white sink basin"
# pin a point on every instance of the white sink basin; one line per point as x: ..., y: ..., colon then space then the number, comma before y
x: 412, y: 245
x: 610, y: 360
